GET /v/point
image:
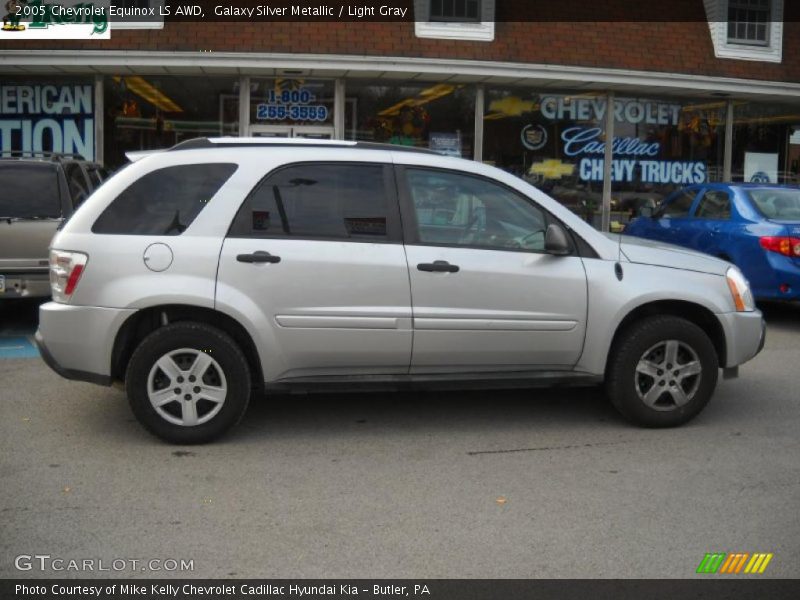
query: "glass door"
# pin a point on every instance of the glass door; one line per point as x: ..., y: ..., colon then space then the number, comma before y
x: 271, y: 131
x: 314, y: 132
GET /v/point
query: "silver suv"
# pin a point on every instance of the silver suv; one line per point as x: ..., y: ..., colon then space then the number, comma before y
x: 201, y: 274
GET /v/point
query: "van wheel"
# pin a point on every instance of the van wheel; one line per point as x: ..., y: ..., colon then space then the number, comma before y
x: 662, y: 372
x: 188, y: 383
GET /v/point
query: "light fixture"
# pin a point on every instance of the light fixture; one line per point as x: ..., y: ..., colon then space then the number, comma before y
x: 145, y: 90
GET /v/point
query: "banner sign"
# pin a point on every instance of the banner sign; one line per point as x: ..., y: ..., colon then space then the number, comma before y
x: 55, y: 20
x: 291, y: 104
x: 47, y: 118
x: 582, y: 141
x: 634, y: 159
x: 556, y: 108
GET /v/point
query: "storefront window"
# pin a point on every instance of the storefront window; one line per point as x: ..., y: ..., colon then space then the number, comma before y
x: 438, y: 116
x: 662, y: 145
x: 55, y: 114
x: 291, y: 108
x: 766, y: 145
x: 557, y: 142
x: 553, y: 141
x: 144, y: 112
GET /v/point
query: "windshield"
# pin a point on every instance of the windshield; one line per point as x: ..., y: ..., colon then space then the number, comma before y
x: 775, y: 203
x: 28, y: 190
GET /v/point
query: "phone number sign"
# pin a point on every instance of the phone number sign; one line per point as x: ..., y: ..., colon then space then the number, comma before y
x: 294, y: 105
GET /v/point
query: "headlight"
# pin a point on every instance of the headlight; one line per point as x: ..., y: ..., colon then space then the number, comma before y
x: 740, y: 290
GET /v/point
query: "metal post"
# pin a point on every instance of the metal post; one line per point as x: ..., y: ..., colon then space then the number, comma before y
x: 727, y: 161
x: 477, y: 153
x: 339, y: 101
x: 607, y: 158
x: 99, y: 119
x: 244, y: 106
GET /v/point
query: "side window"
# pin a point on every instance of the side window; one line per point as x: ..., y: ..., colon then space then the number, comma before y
x: 336, y: 200
x: 94, y: 175
x: 164, y: 201
x: 680, y: 204
x: 459, y: 209
x: 714, y: 204
x: 79, y: 188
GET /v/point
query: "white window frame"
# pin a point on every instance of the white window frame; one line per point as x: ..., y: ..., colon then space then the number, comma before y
x: 482, y: 31
x: 159, y: 24
x: 717, y: 14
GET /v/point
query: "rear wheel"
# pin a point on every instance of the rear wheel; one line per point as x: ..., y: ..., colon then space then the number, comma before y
x: 662, y: 372
x: 188, y: 383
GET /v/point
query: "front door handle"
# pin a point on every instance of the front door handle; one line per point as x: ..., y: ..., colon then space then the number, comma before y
x: 438, y: 266
x: 258, y: 257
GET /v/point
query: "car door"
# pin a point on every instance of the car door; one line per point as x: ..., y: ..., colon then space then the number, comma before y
x: 485, y: 295
x: 315, y: 253
x: 711, y: 222
x: 674, y: 219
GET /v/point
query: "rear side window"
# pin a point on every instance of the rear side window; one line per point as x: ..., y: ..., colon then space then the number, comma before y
x: 78, y: 187
x: 29, y: 190
x: 338, y: 201
x: 165, y: 201
x: 715, y: 204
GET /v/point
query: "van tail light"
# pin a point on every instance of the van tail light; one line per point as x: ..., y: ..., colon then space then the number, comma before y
x: 788, y: 246
x: 66, y: 269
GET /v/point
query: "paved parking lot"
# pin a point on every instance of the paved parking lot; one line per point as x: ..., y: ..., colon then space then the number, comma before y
x: 463, y: 484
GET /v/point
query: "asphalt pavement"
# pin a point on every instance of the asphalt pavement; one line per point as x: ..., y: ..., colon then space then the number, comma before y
x: 523, y: 484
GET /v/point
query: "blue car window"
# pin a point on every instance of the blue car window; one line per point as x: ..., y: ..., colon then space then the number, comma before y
x: 775, y: 203
x: 680, y: 204
x: 715, y: 204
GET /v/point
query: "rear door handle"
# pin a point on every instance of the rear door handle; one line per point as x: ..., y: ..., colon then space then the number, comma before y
x: 258, y: 257
x: 438, y: 266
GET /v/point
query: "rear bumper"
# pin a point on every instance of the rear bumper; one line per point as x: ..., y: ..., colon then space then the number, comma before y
x: 77, y: 341
x: 25, y: 285
x: 782, y: 271
x: 745, y: 334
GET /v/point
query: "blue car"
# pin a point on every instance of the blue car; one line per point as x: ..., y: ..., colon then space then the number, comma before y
x: 754, y: 226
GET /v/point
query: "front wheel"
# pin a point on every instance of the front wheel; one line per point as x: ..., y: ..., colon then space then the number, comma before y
x: 662, y: 372
x: 188, y: 383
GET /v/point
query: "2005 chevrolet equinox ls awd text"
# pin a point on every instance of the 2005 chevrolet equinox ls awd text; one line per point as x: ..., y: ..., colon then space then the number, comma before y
x: 200, y: 274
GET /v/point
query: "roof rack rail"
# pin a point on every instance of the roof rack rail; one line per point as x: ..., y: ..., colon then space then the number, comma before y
x: 39, y: 154
x: 255, y: 142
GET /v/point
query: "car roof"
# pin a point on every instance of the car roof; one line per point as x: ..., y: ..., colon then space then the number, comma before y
x: 260, y: 142
x: 23, y: 156
x: 747, y: 185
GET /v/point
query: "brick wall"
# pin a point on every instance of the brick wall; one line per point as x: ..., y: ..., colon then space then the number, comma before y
x: 682, y: 47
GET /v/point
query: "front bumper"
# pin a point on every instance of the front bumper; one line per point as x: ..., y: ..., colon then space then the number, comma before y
x: 77, y: 341
x: 745, y: 334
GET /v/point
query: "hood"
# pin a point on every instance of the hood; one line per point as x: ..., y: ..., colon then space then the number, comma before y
x: 651, y: 252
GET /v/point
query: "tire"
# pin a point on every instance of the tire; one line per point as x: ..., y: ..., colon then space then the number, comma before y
x: 182, y: 410
x: 650, y: 396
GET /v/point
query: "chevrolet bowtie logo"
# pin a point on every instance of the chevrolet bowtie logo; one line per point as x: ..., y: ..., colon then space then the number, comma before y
x: 735, y: 562
x: 552, y: 168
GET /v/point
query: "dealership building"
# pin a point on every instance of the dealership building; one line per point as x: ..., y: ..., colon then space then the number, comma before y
x: 712, y: 97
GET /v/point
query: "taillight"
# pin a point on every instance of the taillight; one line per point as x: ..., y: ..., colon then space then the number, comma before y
x: 66, y: 269
x: 788, y: 246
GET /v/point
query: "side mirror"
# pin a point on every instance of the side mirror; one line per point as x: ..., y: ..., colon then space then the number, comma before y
x: 646, y: 211
x: 556, y: 241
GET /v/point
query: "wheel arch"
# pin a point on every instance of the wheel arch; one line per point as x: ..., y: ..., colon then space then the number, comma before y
x: 692, y: 312
x: 147, y: 320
